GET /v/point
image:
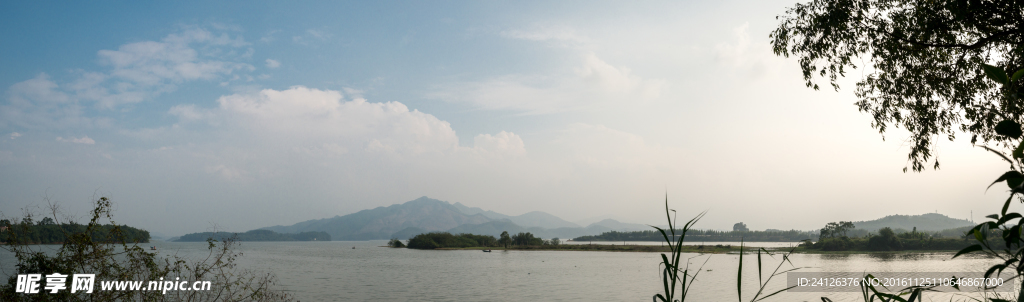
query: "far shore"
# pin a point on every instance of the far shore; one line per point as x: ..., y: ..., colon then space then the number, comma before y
x: 694, y: 249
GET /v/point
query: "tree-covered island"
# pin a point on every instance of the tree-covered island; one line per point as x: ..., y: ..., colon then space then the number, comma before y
x: 48, y: 231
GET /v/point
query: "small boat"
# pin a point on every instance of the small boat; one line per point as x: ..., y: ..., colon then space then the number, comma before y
x: 353, y: 247
x: 152, y: 248
x: 487, y: 251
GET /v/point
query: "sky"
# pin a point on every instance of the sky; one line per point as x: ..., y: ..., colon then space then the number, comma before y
x: 192, y: 116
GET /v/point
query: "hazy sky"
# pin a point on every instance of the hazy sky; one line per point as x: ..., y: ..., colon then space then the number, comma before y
x: 244, y: 115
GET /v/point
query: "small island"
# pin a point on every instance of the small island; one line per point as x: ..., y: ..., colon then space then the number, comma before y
x: 48, y: 231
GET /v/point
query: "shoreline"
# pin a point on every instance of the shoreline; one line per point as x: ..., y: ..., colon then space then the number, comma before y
x: 686, y: 249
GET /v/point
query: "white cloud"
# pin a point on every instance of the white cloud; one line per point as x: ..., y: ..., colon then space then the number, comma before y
x: 39, y: 103
x: 273, y: 63
x: 301, y: 118
x: 38, y: 90
x: 225, y: 172
x: 546, y: 33
x: 188, y: 112
x: 503, y: 143
x: 269, y: 37
x: 15, y: 135
x: 752, y: 59
x: 150, y: 63
x: 83, y: 140
x: 311, y: 34
x: 594, y: 82
x: 137, y: 71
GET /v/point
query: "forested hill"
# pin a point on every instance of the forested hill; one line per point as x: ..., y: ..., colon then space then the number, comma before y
x: 930, y: 222
x: 256, y: 235
x: 57, y: 233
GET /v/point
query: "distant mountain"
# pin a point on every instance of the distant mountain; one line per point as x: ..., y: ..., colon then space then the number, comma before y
x: 615, y: 225
x: 531, y: 219
x: 382, y: 222
x: 408, y: 233
x: 542, y: 220
x: 493, y: 228
x: 931, y: 222
x: 474, y: 210
x: 423, y: 215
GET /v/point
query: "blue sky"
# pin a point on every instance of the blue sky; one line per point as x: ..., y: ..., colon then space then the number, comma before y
x: 195, y: 114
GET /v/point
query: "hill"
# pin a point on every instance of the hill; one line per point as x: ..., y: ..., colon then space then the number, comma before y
x: 531, y: 219
x: 380, y: 223
x: 930, y: 222
x: 424, y: 215
x: 615, y: 225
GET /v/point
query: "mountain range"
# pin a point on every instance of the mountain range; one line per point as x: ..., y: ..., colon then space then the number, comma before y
x: 425, y: 214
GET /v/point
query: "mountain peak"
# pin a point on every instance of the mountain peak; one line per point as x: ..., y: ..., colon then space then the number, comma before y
x: 425, y: 200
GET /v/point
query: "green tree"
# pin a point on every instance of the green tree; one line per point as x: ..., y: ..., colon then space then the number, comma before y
x: 885, y: 241
x: 740, y: 227
x: 845, y: 226
x: 924, y: 63
x: 555, y: 241
x: 47, y: 221
x: 505, y: 240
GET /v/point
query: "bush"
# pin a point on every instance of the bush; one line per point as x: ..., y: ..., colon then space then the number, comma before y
x: 445, y: 240
x: 885, y: 241
x: 836, y: 244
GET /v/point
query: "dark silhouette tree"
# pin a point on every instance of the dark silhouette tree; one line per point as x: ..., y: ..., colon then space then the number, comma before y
x: 923, y: 60
x: 505, y: 240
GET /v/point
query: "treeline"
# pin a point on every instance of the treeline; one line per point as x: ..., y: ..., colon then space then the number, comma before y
x: 447, y: 240
x: 255, y: 235
x: 889, y: 240
x: 705, y: 235
x: 52, y: 233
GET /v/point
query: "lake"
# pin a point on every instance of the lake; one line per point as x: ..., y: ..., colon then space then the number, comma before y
x: 334, y: 271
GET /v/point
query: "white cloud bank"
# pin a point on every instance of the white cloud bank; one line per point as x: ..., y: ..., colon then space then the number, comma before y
x: 136, y: 72
x: 271, y: 63
x: 83, y: 140
x: 593, y: 82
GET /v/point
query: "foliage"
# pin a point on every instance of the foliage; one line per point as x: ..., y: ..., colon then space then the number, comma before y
x: 256, y: 235
x: 836, y: 229
x: 526, y: 239
x: 112, y: 257
x: 740, y: 227
x: 436, y: 240
x: 554, y: 241
x: 885, y: 241
x: 670, y: 264
x: 924, y: 63
x: 394, y: 242
x: 49, y: 232
x: 505, y: 240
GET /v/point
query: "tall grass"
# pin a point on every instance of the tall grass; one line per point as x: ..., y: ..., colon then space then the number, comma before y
x: 675, y: 276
